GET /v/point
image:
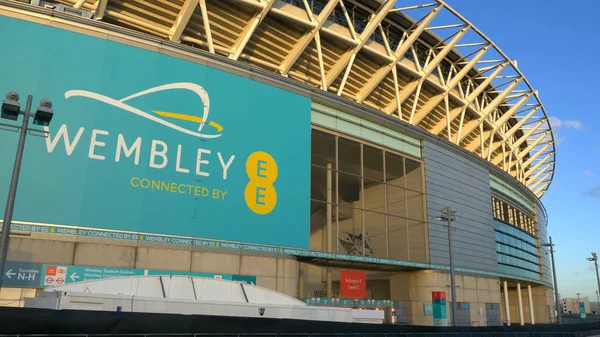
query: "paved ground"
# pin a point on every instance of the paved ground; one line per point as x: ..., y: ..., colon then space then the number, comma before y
x: 576, y: 319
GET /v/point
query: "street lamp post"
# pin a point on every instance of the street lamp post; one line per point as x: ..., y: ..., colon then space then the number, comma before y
x: 595, y: 259
x: 11, y: 110
x: 449, y: 215
x: 556, y: 296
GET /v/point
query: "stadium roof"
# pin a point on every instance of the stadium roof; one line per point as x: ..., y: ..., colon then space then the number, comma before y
x: 424, y: 64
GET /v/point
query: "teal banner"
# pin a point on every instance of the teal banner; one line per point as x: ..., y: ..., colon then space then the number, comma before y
x: 145, y: 143
x: 32, y: 275
x: 345, y: 302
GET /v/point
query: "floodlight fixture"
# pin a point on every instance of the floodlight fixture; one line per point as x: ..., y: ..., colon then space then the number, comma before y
x: 43, y: 114
x: 10, y: 106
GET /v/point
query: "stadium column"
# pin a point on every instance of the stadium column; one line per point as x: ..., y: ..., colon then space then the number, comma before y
x: 301, y: 294
x: 531, y: 314
x: 506, y: 303
x: 329, y: 225
x: 520, y: 301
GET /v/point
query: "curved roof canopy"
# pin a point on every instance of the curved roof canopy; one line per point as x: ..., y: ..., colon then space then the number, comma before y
x: 424, y: 64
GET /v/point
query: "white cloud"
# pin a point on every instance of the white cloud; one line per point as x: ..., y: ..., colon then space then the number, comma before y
x: 590, y: 173
x: 594, y: 192
x: 557, y: 123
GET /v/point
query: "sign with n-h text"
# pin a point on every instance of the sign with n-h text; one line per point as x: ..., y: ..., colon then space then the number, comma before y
x: 21, y: 274
x: 353, y: 284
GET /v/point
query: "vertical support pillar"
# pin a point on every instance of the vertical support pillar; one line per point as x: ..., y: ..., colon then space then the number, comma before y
x: 301, y: 272
x: 520, y: 301
x: 531, y: 315
x: 329, y: 231
x: 506, y: 304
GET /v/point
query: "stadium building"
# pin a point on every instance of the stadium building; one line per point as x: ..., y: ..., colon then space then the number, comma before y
x: 306, y: 146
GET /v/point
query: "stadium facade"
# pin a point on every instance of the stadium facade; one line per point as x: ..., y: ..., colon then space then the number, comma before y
x: 306, y: 146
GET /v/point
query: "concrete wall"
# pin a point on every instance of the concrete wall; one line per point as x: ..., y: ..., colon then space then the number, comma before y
x: 278, y: 273
x: 542, y: 298
x: 416, y: 287
x: 454, y: 180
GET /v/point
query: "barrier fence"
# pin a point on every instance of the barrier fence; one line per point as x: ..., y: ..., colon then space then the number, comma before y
x: 81, y: 323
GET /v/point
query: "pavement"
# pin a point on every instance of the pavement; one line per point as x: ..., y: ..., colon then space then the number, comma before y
x: 574, y: 319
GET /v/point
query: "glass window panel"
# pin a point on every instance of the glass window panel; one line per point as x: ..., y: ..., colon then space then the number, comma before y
x: 375, y: 231
x: 318, y: 226
x: 322, y: 149
x: 417, y: 242
x: 319, y: 182
x: 394, y: 169
x: 373, y: 163
x: 350, y: 231
x: 414, y: 205
x: 349, y: 156
x: 414, y: 176
x: 398, y: 238
x: 396, y: 199
x: 349, y: 190
x: 374, y: 195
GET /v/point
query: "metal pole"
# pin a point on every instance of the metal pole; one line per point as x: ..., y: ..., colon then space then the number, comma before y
x: 558, y: 313
x: 597, y: 275
x: 12, y: 192
x: 329, y: 245
x: 452, y: 284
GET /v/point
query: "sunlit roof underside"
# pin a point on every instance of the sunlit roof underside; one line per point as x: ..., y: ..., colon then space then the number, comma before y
x: 422, y: 63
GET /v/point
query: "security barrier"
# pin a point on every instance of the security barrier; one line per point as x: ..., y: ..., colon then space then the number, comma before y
x: 76, y: 323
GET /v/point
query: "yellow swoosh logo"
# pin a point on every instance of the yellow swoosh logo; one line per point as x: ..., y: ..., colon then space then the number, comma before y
x: 189, y: 118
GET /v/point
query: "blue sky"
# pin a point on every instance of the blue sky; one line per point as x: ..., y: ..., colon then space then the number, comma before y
x: 555, y: 44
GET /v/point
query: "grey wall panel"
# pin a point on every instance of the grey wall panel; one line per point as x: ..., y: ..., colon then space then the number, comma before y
x: 455, y: 180
x: 546, y: 266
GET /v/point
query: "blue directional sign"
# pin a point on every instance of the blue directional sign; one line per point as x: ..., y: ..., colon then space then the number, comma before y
x: 21, y: 274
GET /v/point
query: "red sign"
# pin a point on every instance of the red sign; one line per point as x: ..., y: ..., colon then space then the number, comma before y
x: 438, y: 295
x: 51, y: 271
x: 353, y: 284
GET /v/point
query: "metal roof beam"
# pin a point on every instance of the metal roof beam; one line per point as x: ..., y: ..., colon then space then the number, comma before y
x: 537, y: 154
x: 515, y: 127
x: 305, y: 40
x: 533, y: 144
x: 540, y: 172
x: 536, y: 184
x: 100, y: 9
x: 440, y: 127
x: 258, y: 17
x: 541, y: 189
x: 487, y: 111
x: 345, y: 59
x: 182, y: 19
x: 516, y: 144
x: 209, y: 39
x: 512, y: 110
x: 431, y: 65
x: 537, y: 165
x: 401, y: 50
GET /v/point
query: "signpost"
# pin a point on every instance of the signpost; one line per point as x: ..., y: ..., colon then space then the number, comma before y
x: 440, y: 316
x: 582, y: 311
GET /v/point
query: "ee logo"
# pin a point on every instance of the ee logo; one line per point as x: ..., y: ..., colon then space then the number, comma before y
x: 260, y: 194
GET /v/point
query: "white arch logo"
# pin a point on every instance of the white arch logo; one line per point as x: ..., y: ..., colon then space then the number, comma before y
x: 121, y: 103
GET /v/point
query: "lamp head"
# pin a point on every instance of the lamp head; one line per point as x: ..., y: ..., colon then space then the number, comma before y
x: 10, y: 106
x: 43, y: 114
